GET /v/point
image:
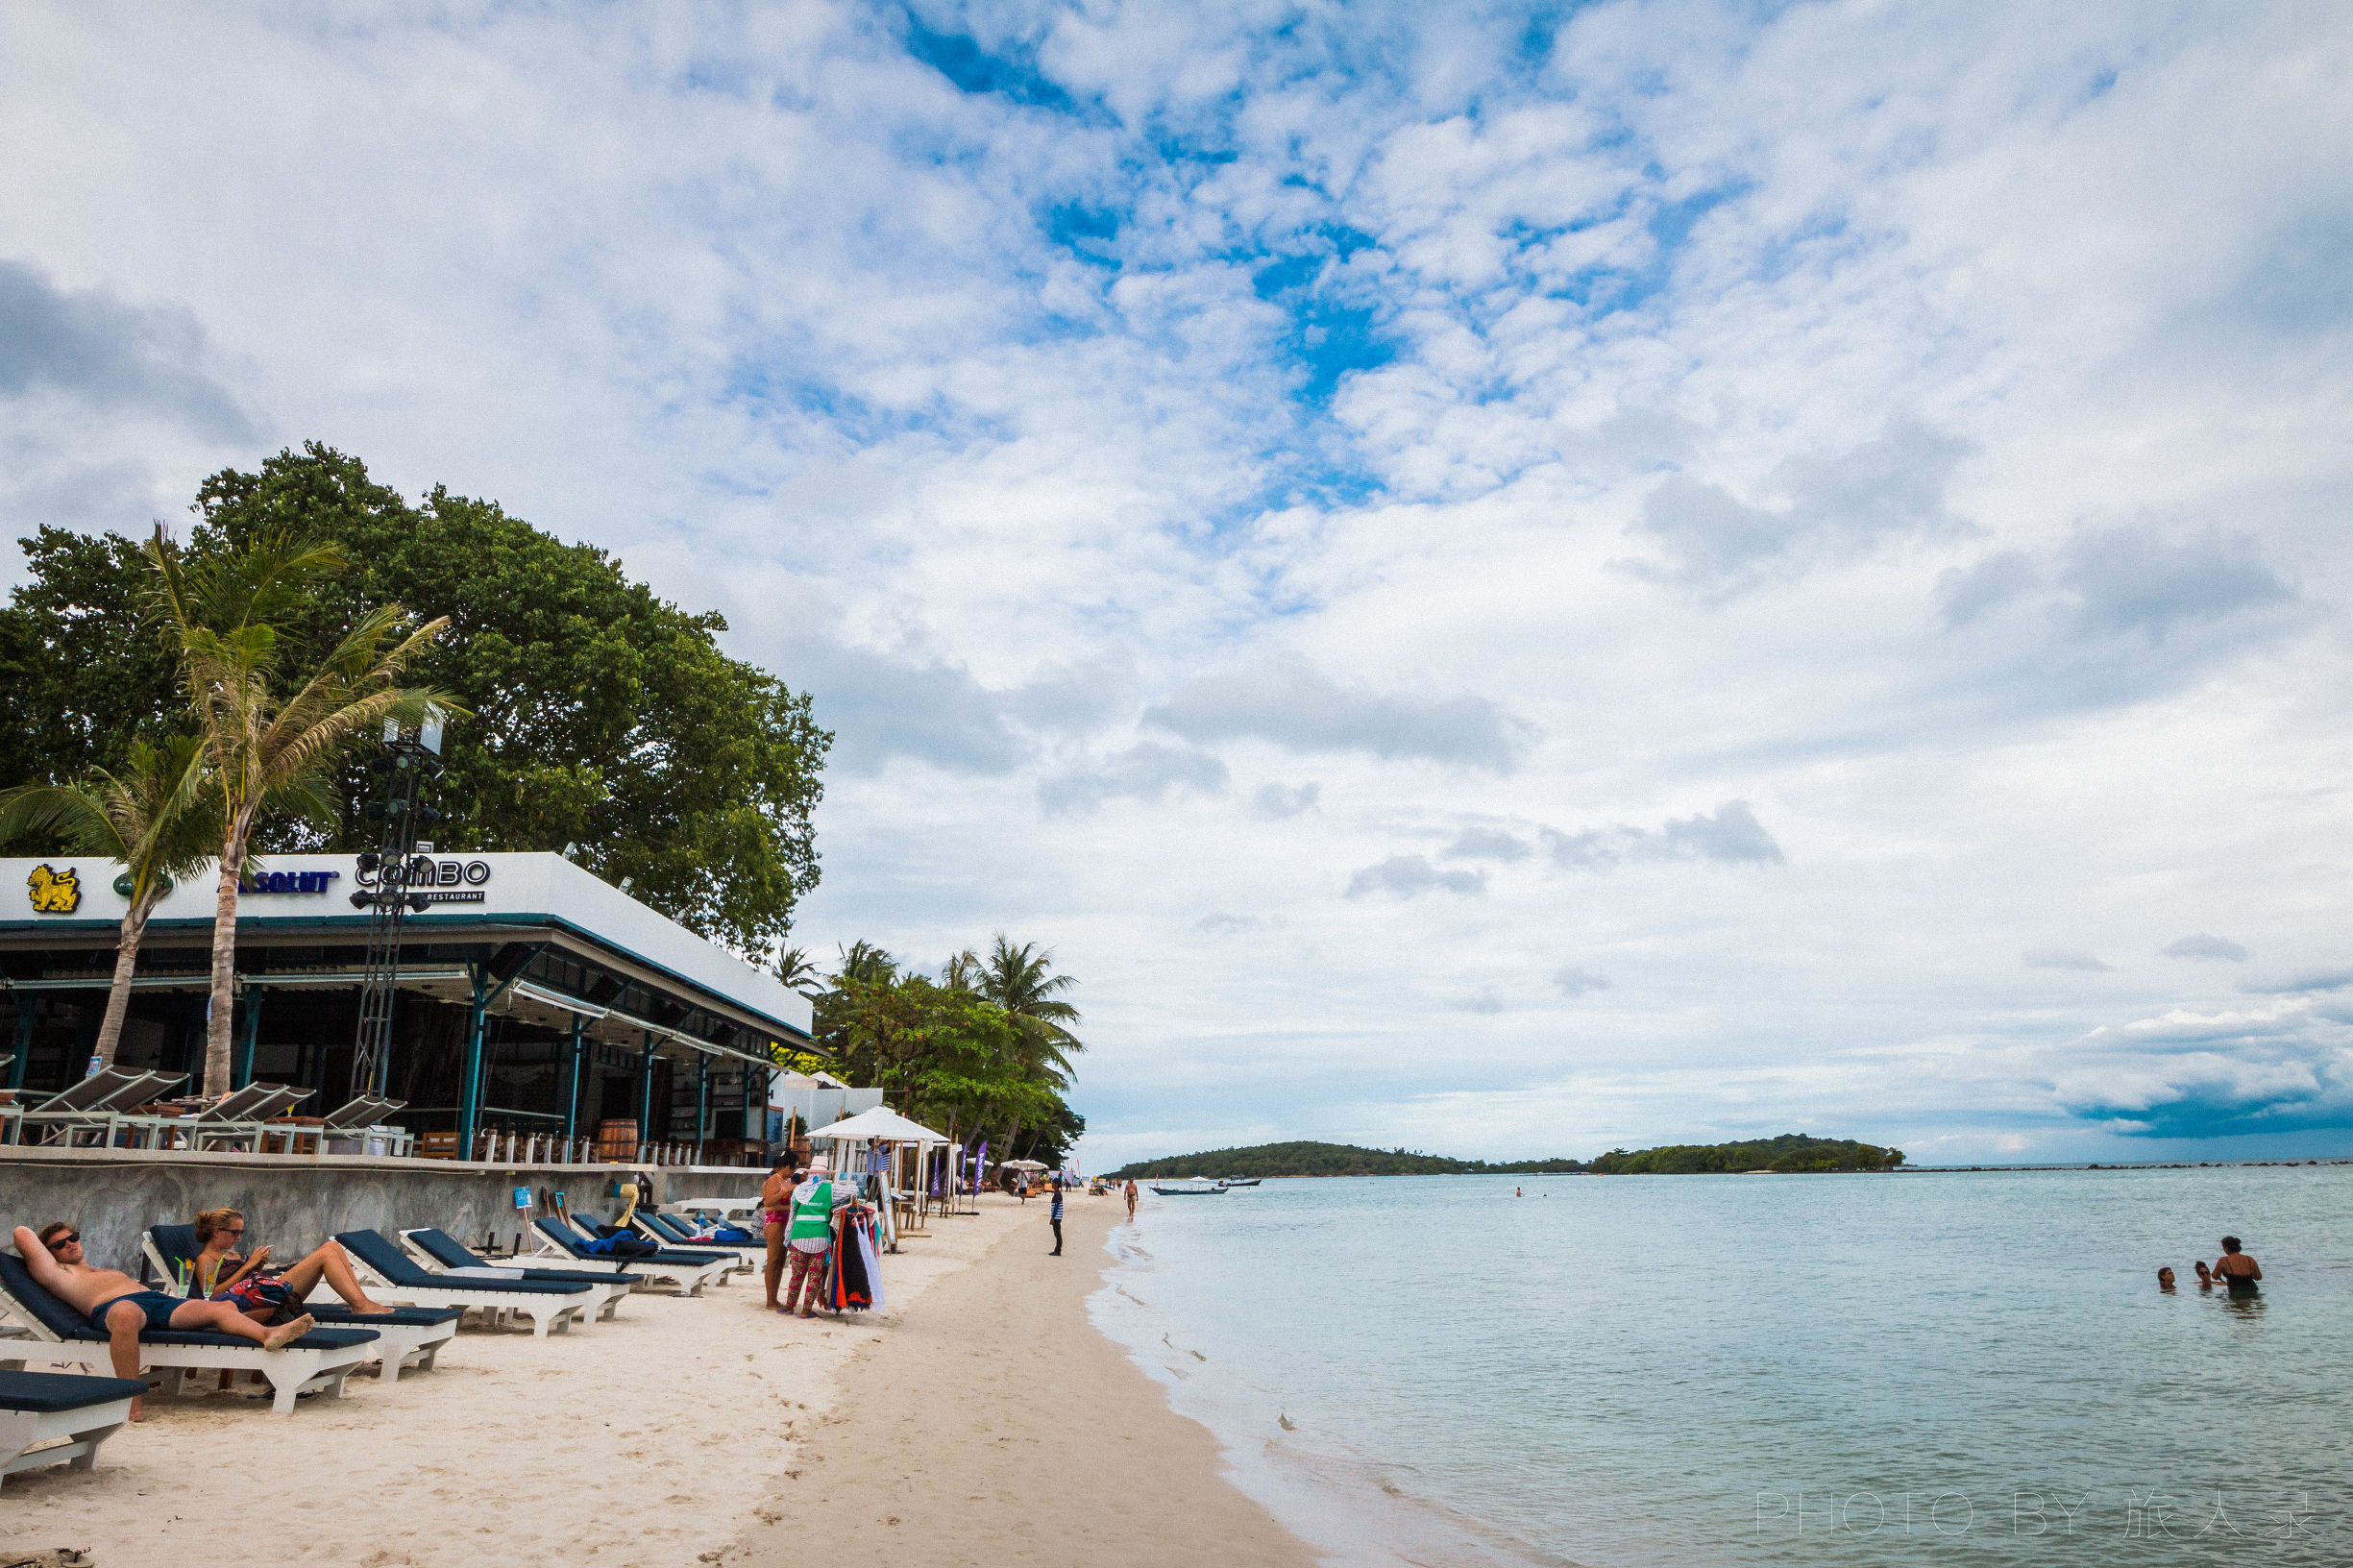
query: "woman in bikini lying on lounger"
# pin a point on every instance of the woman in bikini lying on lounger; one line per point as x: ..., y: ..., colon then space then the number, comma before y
x: 117, y: 1308
x: 221, y: 1275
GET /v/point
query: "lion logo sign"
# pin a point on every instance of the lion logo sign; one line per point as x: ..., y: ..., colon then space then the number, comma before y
x: 55, y: 891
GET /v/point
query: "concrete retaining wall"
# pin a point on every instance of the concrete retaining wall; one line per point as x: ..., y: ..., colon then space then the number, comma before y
x: 291, y: 1205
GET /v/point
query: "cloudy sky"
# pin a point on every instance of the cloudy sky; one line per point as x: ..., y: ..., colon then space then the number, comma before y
x: 1505, y: 580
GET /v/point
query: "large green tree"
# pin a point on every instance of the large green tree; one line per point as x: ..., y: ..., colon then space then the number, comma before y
x: 606, y: 717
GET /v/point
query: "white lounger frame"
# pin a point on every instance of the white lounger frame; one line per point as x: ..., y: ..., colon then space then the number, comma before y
x: 400, y: 1347
x: 748, y: 1258
x: 608, y: 1297
x: 551, y: 1314
x: 290, y: 1373
x: 688, y: 1278
x: 83, y: 1430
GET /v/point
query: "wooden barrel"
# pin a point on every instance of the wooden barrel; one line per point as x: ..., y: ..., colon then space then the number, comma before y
x: 616, y: 1142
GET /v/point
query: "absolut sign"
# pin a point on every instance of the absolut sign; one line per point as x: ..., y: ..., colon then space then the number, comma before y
x: 424, y: 877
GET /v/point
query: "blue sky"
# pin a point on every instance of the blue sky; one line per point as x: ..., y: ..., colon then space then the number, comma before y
x: 1505, y: 579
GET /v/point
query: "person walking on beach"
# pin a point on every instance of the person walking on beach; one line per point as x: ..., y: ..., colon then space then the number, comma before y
x: 1131, y: 1198
x: 2237, y: 1270
x: 776, y: 1214
x: 1055, y: 1219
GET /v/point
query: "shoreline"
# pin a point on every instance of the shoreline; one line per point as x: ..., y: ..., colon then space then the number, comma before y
x: 1002, y: 1427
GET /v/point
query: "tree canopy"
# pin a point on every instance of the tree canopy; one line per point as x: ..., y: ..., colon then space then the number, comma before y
x: 604, y: 717
x: 953, y: 1052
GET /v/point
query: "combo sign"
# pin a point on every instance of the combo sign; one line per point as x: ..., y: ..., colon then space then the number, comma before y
x: 435, y: 881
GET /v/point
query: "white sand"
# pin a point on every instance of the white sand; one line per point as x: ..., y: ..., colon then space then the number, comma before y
x: 649, y: 1442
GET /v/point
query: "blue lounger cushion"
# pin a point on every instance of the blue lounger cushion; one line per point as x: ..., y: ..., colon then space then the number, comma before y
x: 177, y: 1244
x: 396, y: 1266
x: 61, y: 1320
x: 449, y: 1252
x: 45, y: 1393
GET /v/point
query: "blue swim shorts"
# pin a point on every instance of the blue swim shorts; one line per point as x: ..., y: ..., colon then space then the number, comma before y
x: 158, y: 1306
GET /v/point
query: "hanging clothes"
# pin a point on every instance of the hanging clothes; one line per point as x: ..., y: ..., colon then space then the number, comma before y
x: 849, y: 1281
x: 869, y: 1256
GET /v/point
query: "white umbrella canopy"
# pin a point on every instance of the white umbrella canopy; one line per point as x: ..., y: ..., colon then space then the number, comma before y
x: 1022, y: 1164
x: 880, y: 1122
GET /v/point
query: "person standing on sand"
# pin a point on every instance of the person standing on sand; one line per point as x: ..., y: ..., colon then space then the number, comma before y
x: 811, y: 1235
x: 1131, y: 1198
x: 1055, y: 1218
x: 776, y: 1214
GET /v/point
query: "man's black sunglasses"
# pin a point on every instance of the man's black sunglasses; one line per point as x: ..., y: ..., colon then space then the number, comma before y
x: 56, y: 1241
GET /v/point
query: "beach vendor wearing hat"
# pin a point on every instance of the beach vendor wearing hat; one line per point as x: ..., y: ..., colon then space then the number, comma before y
x: 809, y: 1237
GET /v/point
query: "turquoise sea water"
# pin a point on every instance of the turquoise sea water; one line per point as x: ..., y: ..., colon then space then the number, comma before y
x: 1707, y: 1371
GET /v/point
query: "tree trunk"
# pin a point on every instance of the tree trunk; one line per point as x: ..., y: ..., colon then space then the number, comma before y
x: 217, y: 1027
x: 118, y: 996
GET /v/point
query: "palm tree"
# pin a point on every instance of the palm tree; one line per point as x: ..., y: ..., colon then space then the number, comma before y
x: 1021, y: 980
x: 265, y: 750
x: 152, y: 817
x: 962, y: 972
x: 864, y: 962
x: 794, y: 968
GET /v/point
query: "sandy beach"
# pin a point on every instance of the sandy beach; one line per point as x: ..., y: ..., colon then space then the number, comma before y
x: 996, y: 1426
x: 701, y: 1430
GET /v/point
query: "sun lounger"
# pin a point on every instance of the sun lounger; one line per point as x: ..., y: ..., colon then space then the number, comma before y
x: 443, y: 1253
x: 242, y: 1117
x: 408, y: 1339
x: 589, y: 1227
x: 319, y: 1361
x: 667, y: 1230
x: 689, y: 1272
x: 98, y: 1108
x: 59, y: 1418
x: 553, y: 1306
x: 362, y: 1120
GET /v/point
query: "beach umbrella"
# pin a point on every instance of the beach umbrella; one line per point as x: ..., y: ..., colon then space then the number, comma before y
x: 882, y: 1122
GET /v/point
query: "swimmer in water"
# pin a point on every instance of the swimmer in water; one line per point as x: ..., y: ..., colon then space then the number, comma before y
x: 2165, y: 1280
x: 2205, y: 1278
x: 2236, y: 1269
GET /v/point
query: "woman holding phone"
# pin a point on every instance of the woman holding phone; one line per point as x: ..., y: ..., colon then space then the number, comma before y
x: 222, y: 1275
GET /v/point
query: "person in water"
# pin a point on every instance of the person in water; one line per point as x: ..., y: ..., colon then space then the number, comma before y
x: 2165, y: 1280
x: 221, y: 1275
x: 2205, y: 1278
x: 118, y: 1308
x: 2236, y: 1269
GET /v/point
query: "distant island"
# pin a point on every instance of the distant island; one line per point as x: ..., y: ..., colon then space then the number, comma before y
x: 1788, y: 1154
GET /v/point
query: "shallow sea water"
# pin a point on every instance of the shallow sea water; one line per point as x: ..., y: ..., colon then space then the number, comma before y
x: 1964, y: 1367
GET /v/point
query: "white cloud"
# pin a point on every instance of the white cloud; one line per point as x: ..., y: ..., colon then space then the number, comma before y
x: 2062, y: 958
x: 1729, y: 835
x: 1406, y: 876
x: 2201, y: 944
x: 1195, y: 395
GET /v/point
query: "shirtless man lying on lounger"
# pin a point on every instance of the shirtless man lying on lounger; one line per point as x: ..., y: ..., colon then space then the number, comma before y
x: 115, y: 1303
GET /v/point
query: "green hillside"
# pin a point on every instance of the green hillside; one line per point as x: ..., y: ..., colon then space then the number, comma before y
x: 1790, y: 1152
x: 1318, y: 1160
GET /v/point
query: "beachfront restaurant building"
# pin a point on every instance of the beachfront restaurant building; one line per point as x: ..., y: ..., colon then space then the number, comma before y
x: 532, y: 999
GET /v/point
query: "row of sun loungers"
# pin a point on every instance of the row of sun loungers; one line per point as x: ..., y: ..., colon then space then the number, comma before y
x: 429, y: 1277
